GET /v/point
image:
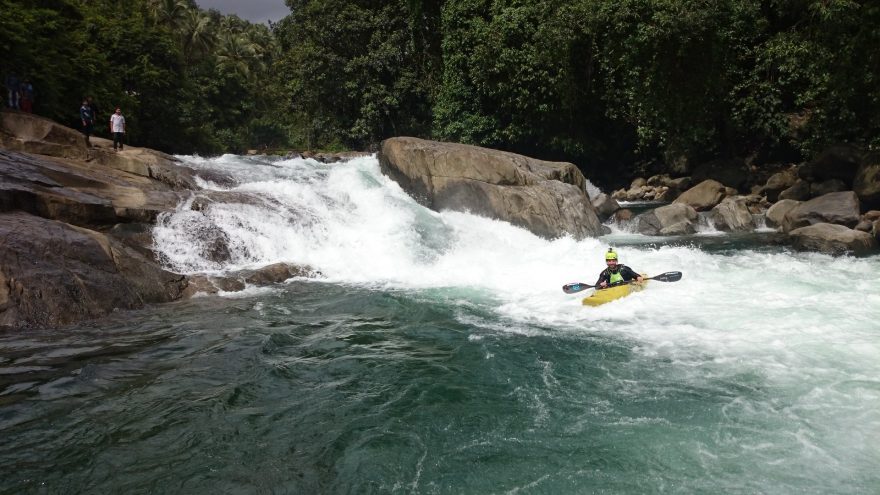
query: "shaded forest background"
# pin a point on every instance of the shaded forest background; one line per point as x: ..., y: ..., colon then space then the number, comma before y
x: 624, y: 87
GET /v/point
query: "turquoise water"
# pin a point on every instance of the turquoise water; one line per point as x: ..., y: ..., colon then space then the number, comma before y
x: 437, y: 354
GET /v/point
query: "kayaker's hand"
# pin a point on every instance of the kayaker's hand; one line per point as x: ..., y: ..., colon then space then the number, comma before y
x: 603, y: 284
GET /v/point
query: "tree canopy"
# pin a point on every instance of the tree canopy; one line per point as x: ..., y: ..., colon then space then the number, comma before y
x: 622, y: 85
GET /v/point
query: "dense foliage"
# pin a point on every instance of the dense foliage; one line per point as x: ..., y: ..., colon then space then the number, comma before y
x: 187, y: 80
x: 624, y: 84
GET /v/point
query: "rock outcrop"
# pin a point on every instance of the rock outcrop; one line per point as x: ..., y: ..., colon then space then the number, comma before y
x: 832, y: 239
x: 867, y: 181
x: 53, y: 273
x: 674, y: 219
x: 732, y: 215
x: 34, y: 134
x: 547, y: 198
x: 841, y: 208
x: 704, y: 196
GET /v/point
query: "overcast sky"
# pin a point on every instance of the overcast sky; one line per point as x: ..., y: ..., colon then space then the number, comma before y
x: 252, y: 10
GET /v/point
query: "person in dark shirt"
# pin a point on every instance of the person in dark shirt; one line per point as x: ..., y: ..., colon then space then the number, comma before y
x: 615, y: 274
x: 94, y: 107
x: 88, y: 120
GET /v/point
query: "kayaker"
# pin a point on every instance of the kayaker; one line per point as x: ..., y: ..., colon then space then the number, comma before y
x: 616, y: 273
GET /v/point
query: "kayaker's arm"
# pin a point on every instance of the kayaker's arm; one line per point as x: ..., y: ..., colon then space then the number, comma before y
x: 629, y: 274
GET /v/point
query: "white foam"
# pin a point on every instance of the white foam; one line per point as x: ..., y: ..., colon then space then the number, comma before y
x: 780, y: 313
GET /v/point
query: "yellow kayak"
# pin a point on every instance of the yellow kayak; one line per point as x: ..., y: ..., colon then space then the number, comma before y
x: 602, y: 296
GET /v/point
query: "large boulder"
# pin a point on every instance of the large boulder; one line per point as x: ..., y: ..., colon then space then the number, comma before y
x: 80, y: 193
x: 52, y: 274
x: 605, y: 206
x: 867, y: 181
x: 732, y: 215
x: 779, y: 182
x: 840, y: 208
x: 668, y: 188
x: 799, y: 191
x: 673, y: 219
x: 776, y: 213
x: 31, y: 133
x: 832, y: 239
x: 547, y: 198
x: 703, y: 196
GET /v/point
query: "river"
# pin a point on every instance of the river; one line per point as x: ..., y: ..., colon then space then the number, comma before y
x: 437, y: 353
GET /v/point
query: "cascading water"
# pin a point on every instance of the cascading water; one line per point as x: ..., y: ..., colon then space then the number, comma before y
x: 437, y: 353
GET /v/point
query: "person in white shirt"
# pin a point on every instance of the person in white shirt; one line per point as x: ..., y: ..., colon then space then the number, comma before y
x: 117, y: 128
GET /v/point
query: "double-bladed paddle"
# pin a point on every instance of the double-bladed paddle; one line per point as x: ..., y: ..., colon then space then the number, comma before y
x: 663, y: 277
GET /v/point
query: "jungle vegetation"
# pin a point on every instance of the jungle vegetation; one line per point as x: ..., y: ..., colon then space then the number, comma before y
x: 626, y: 85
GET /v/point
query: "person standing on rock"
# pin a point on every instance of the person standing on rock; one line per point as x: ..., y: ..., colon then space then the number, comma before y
x: 88, y: 120
x: 615, y: 273
x: 94, y: 106
x: 26, y: 99
x: 117, y: 128
x: 12, y: 88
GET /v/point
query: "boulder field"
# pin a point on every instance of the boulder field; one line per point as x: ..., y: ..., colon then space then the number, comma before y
x: 828, y: 204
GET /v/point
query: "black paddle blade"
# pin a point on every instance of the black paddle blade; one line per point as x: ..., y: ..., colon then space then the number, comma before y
x: 575, y: 287
x: 668, y: 277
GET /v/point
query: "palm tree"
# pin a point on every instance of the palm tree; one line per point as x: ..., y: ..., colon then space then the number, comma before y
x: 197, y: 34
x: 236, y: 54
x: 171, y: 13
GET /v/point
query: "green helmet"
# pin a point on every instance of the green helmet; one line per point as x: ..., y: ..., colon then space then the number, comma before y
x: 610, y: 255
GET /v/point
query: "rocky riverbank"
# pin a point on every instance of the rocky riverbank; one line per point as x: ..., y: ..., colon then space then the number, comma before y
x: 76, y: 227
x: 830, y: 204
x: 76, y: 222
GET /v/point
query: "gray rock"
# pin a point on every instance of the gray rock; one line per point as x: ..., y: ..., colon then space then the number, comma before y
x: 546, y: 198
x: 277, y: 273
x: 80, y: 193
x: 605, y: 206
x: 54, y: 274
x: 732, y: 215
x: 800, y: 191
x: 676, y: 217
x: 832, y: 239
x: 703, y: 196
x: 777, y: 212
x: 867, y: 181
x: 31, y: 133
x: 779, y: 182
x: 840, y: 208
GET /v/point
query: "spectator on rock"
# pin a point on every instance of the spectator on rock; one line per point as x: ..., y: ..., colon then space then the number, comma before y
x: 26, y: 96
x: 117, y: 128
x: 94, y: 107
x: 88, y: 120
x: 12, y: 84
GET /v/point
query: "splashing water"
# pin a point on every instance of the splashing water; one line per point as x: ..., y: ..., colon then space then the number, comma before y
x: 437, y: 353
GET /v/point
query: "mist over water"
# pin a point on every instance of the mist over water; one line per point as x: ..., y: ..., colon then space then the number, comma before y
x: 436, y: 353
